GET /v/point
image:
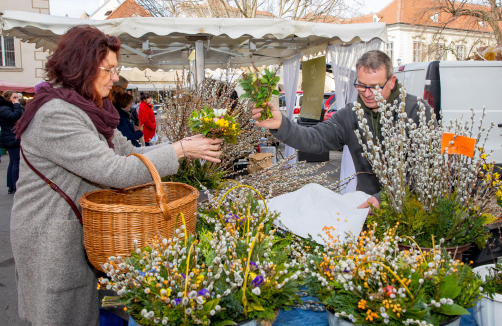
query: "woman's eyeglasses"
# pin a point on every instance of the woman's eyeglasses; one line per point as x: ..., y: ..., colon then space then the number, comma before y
x: 111, y: 71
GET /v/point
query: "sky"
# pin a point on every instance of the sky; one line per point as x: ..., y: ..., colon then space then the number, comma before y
x: 74, y: 8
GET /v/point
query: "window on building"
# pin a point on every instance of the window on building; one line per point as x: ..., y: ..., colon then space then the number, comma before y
x: 437, y: 52
x: 461, y: 52
x: 435, y: 18
x: 417, y: 51
x: 389, y: 49
x: 8, y: 54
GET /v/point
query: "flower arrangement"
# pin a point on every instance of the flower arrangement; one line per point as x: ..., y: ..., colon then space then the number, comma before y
x: 430, y: 192
x: 262, y: 267
x: 165, y: 283
x: 215, y: 123
x: 259, y: 88
x: 371, y: 282
x: 236, y: 269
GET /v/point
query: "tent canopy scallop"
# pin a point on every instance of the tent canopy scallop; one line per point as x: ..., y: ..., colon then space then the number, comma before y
x: 159, y: 43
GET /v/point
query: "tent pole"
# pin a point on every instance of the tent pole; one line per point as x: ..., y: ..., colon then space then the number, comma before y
x: 199, y: 60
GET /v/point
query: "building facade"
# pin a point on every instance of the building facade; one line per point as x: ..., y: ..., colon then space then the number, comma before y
x: 21, y: 62
x: 414, y: 36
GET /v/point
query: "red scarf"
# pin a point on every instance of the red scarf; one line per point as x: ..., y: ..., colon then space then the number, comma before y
x: 105, y: 119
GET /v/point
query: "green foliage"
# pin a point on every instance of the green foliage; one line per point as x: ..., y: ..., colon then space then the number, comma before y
x: 195, y: 174
x: 493, y: 281
x: 456, y: 224
x: 259, y: 88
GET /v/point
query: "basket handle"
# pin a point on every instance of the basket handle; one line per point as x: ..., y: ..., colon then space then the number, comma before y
x: 159, y: 190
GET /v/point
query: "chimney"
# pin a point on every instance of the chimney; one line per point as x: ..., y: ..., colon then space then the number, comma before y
x: 400, y: 9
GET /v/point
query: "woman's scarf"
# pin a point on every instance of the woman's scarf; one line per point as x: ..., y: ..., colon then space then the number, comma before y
x: 105, y: 119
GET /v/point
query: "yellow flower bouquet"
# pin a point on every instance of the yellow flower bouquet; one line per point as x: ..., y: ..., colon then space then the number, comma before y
x: 215, y: 123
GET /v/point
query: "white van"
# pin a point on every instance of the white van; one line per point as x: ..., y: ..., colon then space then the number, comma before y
x: 454, y: 87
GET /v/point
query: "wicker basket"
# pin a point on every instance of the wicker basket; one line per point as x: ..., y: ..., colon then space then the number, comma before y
x: 113, y: 219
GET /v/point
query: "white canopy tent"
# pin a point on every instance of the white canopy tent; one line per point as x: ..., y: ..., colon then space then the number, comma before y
x: 158, y: 43
x: 166, y: 43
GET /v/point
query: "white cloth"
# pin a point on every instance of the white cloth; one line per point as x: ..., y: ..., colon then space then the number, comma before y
x: 291, y: 70
x: 343, y: 63
x: 306, y: 211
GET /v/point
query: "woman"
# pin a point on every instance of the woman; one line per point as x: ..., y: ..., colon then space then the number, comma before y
x: 147, y: 117
x: 122, y: 102
x: 68, y: 133
x: 10, y: 112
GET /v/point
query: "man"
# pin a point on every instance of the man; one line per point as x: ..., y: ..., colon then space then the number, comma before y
x: 374, y: 68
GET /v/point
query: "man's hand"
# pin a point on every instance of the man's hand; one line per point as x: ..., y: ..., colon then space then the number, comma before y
x: 272, y: 123
x: 373, y: 201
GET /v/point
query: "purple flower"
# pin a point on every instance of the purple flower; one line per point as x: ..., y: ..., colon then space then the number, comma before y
x: 142, y: 273
x: 253, y: 264
x: 184, y: 276
x: 346, y: 270
x: 203, y: 292
x: 177, y: 301
x: 258, y: 280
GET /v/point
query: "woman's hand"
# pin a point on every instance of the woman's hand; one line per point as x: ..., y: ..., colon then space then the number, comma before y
x: 136, y: 128
x: 272, y: 123
x: 199, y: 147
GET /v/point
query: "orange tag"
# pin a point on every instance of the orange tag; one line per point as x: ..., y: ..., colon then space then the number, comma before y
x: 462, y: 145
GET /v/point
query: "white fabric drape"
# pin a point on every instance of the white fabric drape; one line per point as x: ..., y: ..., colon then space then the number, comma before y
x: 291, y: 70
x: 343, y: 63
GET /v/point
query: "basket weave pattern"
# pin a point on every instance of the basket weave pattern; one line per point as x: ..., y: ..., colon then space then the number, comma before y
x: 113, y: 219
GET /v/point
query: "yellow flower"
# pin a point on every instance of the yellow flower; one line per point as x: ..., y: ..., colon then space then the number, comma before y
x: 207, y: 119
x: 200, y: 278
x: 483, y: 157
x: 499, y: 194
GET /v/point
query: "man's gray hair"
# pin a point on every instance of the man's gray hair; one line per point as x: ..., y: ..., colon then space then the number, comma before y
x: 375, y: 60
x: 121, y: 82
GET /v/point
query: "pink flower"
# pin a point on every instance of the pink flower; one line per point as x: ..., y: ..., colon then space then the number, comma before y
x: 215, y: 119
x: 222, y: 117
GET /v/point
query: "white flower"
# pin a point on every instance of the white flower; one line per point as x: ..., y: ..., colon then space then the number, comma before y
x: 192, y: 295
x: 256, y: 291
x: 219, y: 112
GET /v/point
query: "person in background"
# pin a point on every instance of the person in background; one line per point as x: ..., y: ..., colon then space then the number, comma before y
x: 10, y: 112
x: 22, y: 101
x: 122, y: 102
x: 147, y: 117
x: 134, y: 112
x: 119, y: 86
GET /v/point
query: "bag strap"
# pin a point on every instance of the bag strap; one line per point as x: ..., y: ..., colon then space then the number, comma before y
x: 55, y: 188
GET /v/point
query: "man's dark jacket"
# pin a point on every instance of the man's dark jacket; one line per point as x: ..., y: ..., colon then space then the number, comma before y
x: 332, y: 134
x: 9, y: 114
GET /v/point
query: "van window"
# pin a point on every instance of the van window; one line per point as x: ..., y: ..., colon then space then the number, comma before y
x: 301, y: 100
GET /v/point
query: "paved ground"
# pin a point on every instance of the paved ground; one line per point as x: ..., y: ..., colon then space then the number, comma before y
x: 8, y: 293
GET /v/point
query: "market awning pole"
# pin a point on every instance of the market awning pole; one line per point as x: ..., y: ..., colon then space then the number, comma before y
x: 199, y: 60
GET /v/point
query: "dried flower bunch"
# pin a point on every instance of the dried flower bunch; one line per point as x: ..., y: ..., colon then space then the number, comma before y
x: 217, y: 95
x: 433, y: 193
x: 262, y: 267
x: 259, y: 88
x: 215, y: 123
x: 165, y: 282
x: 371, y: 282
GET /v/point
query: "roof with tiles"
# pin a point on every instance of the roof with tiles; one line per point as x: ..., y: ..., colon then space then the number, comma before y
x: 129, y: 8
x: 412, y: 12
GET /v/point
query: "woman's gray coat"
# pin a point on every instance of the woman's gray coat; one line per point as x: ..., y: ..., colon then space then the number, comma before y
x: 55, y: 284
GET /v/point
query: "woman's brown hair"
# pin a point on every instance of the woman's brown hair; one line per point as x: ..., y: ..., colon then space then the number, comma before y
x: 7, y: 95
x: 122, y: 100
x: 76, y: 61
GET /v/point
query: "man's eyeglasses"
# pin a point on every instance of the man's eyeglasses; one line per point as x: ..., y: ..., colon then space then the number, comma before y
x: 112, y: 71
x: 362, y: 88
